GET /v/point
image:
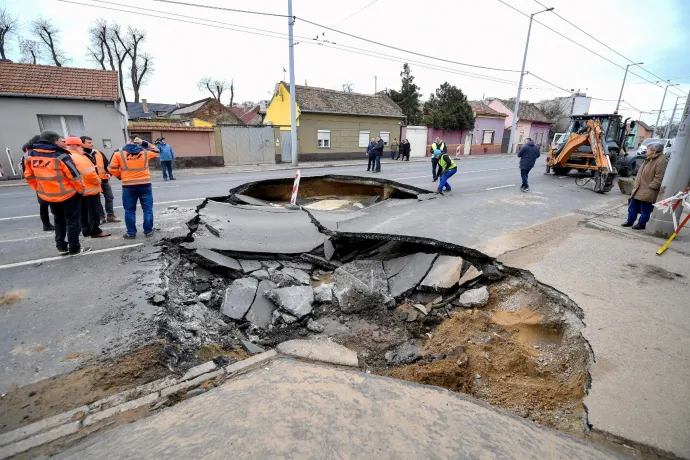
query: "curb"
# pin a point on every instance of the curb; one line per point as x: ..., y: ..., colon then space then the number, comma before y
x: 108, y: 412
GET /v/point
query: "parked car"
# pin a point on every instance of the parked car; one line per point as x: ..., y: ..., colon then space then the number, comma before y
x: 668, y: 148
x: 631, y: 162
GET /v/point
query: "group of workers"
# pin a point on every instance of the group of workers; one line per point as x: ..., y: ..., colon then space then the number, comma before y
x: 69, y: 176
x: 442, y: 165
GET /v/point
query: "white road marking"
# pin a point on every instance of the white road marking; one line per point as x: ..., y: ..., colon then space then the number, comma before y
x: 115, y: 207
x: 459, y: 172
x: 500, y: 186
x: 50, y: 259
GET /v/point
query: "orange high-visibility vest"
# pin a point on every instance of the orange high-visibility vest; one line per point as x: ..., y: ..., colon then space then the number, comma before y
x: 92, y: 183
x: 50, y: 171
x: 133, y: 169
x: 100, y: 164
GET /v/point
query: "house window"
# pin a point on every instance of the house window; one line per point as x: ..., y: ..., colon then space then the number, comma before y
x: 65, y: 125
x: 488, y: 136
x: 324, y: 138
x: 385, y: 136
x: 364, y: 138
x: 107, y: 144
x: 522, y: 137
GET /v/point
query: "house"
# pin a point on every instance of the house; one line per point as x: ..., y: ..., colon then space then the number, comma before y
x: 69, y: 101
x: 563, y: 108
x: 248, y: 115
x: 147, y: 110
x: 531, y: 122
x: 194, y: 145
x: 639, y: 133
x: 209, y: 110
x: 333, y: 125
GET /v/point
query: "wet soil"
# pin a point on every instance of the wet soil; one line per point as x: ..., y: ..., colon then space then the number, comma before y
x: 31, y: 403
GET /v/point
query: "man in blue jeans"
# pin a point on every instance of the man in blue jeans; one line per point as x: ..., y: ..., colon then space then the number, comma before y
x: 528, y: 155
x: 447, y: 168
x: 167, y: 156
x: 131, y: 165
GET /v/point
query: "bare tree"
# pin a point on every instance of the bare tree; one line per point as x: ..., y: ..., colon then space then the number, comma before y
x: 348, y: 87
x: 99, y: 46
x: 118, y: 53
x: 141, y: 63
x: 49, y: 35
x: 8, y: 26
x: 214, y: 86
x: 232, y: 91
x: 30, y: 51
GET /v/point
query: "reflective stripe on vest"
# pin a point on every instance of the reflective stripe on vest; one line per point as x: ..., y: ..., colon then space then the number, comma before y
x: 442, y: 162
x: 125, y: 167
x: 100, y: 165
x: 438, y: 147
x: 58, y: 178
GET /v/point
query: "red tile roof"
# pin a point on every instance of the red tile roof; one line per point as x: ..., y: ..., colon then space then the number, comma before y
x: 51, y: 81
x: 245, y: 114
x: 482, y: 109
x: 138, y: 127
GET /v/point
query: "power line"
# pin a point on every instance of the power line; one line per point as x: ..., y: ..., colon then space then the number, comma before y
x: 261, y: 13
x: 358, y: 11
x: 579, y: 44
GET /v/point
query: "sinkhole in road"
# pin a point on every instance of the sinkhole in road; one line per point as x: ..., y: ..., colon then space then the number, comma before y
x: 327, y: 192
x: 412, y: 308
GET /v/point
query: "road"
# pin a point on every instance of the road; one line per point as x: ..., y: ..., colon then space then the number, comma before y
x: 72, y: 309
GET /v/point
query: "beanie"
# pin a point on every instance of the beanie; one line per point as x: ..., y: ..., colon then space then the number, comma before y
x: 50, y: 136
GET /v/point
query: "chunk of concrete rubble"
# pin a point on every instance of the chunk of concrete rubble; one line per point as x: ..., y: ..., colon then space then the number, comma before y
x: 407, y: 313
x: 288, y: 318
x: 405, y: 353
x: 158, y: 299
x: 405, y: 273
x: 250, y: 200
x: 299, y: 265
x: 239, y: 297
x: 213, y: 259
x: 470, y: 275
x: 444, y: 274
x: 319, y: 350
x: 625, y: 184
x: 205, y: 296
x: 296, y: 300
x: 474, y: 298
x: 362, y: 285
x: 328, y: 249
x: 261, y: 275
x: 298, y: 275
x: 421, y: 308
x: 270, y: 264
x: 313, y: 326
x: 249, y: 266
x: 260, y: 313
x: 323, y: 293
x: 251, y: 348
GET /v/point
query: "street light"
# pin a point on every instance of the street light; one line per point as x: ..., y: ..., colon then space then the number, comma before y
x: 623, y: 85
x: 673, y: 115
x: 661, y: 109
x: 522, y: 74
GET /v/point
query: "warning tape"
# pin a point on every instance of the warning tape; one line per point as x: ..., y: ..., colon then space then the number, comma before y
x: 295, y: 187
x: 670, y: 205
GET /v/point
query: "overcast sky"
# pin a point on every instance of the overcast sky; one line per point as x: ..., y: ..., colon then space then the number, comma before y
x: 485, y: 33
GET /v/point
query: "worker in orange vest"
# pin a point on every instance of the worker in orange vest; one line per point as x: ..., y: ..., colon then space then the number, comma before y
x: 131, y: 165
x: 50, y: 170
x: 92, y: 189
x: 99, y: 159
x: 43, y: 205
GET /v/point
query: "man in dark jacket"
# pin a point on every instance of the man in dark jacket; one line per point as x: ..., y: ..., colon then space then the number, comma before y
x: 371, y: 165
x: 378, y: 153
x: 528, y: 155
x: 43, y: 205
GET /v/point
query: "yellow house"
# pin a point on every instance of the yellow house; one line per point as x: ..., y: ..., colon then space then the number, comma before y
x: 335, y: 125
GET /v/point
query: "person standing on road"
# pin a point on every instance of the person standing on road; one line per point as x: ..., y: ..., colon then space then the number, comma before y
x: 167, y: 156
x: 99, y: 159
x: 406, y: 153
x: 646, y: 187
x: 394, y: 149
x: 528, y: 155
x: 448, y: 168
x: 131, y: 165
x: 371, y: 165
x: 440, y: 146
x: 43, y: 205
x: 90, y: 219
x: 49, y: 169
x: 378, y: 153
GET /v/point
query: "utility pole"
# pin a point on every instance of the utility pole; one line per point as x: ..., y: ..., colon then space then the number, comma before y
x: 620, y: 96
x: 293, y: 108
x: 661, y: 109
x: 677, y: 176
x: 522, y: 74
x: 376, y: 84
x: 673, y: 115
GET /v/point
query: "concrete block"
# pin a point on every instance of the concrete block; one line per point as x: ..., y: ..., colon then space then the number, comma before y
x: 296, y: 300
x: 13, y: 449
x: 319, y: 350
x: 445, y: 273
x: 42, y: 425
x: 198, y: 370
x: 470, y: 275
x: 191, y: 383
x: 131, y: 405
x: 246, y: 364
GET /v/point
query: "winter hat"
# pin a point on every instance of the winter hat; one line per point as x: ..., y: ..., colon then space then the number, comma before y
x: 50, y: 136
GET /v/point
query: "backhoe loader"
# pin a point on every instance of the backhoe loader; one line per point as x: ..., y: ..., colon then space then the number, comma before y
x: 592, y: 143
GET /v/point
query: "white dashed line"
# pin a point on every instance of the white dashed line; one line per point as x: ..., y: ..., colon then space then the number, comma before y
x: 50, y: 259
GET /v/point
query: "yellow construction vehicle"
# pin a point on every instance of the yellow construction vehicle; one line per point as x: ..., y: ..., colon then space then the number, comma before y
x: 593, y: 144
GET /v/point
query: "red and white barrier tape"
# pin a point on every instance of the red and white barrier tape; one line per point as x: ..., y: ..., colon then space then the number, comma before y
x: 295, y: 188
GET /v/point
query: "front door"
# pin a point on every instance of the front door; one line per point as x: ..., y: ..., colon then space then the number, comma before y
x: 468, y: 144
x: 286, y: 146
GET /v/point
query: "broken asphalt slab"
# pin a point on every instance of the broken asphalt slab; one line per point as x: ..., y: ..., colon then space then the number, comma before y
x: 350, y: 415
x: 239, y: 297
x: 405, y: 273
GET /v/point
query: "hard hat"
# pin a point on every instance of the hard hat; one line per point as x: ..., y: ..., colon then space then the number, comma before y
x: 73, y: 140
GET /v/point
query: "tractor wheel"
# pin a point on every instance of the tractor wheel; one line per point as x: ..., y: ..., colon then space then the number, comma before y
x: 560, y: 171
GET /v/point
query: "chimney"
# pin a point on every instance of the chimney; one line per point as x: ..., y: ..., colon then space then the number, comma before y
x: 145, y: 105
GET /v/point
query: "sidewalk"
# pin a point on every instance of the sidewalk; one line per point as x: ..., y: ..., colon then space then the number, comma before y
x: 272, y: 167
x: 635, y: 306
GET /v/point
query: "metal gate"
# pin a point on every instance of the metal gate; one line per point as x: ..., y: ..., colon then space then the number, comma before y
x: 416, y: 136
x: 248, y: 145
x: 286, y: 146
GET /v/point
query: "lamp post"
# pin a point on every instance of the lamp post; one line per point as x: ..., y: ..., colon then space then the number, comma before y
x: 522, y: 74
x: 673, y: 115
x: 661, y: 109
x: 620, y: 96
